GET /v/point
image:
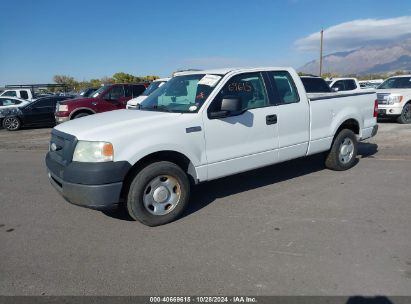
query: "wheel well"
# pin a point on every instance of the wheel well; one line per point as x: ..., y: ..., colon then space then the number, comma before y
x: 172, y: 156
x: 81, y: 111
x: 350, y: 124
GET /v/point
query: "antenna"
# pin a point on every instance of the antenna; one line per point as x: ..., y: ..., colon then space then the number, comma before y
x: 321, y: 52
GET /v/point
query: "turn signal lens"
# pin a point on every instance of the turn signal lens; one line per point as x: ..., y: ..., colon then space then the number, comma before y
x: 108, y: 150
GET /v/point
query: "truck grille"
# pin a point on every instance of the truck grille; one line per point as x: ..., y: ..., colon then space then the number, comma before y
x: 382, y: 98
x: 62, y: 147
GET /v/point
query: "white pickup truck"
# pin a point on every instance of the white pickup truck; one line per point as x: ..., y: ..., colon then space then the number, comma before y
x: 199, y: 126
x: 344, y: 84
x: 394, y: 98
x: 26, y: 94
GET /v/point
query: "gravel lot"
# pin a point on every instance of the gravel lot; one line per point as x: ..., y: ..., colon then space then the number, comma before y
x: 289, y: 229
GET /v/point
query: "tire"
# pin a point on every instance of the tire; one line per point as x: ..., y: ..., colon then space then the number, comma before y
x: 405, y: 117
x: 343, y: 152
x: 158, y: 194
x: 11, y: 123
x: 79, y: 115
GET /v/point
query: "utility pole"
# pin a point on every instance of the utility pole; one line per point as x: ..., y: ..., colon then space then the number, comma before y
x: 321, y: 52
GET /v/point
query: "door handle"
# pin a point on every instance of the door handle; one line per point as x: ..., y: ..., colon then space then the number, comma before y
x: 271, y: 119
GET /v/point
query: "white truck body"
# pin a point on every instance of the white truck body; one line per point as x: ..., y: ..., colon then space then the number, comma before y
x: 345, y: 84
x: 25, y: 94
x: 394, y: 98
x: 220, y: 146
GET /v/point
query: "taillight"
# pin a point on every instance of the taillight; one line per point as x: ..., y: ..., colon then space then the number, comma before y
x: 376, y: 108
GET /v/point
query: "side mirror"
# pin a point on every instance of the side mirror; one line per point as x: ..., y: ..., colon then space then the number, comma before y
x: 230, y: 106
x: 335, y: 89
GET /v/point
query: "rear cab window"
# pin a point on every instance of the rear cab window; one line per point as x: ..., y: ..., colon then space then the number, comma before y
x: 24, y: 95
x: 283, y: 87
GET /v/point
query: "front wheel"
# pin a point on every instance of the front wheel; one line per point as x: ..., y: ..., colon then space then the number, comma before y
x: 158, y: 194
x: 11, y: 123
x: 405, y: 117
x: 79, y: 115
x: 343, y: 151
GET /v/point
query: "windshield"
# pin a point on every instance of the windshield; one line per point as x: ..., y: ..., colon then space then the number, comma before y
x: 99, y: 91
x: 181, y: 94
x: 152, y: 87
x: 396, y: 83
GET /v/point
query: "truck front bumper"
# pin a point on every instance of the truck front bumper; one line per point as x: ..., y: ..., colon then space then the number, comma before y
x: 92, y: 185
x: 389, y: 110
x: 61, y: 119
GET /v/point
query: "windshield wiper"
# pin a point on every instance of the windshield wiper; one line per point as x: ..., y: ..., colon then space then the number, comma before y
x: 155, y: 107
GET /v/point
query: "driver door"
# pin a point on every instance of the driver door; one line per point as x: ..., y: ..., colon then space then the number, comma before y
x: 246, y: 141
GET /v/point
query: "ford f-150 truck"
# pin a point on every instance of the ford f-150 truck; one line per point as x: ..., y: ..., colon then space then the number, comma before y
x: 394, y: 98
x: 344, y: 84
x: 106, y: 98
x: 200, y: 126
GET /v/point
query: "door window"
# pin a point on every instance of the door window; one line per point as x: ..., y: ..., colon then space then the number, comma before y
x: 339, y: 85
x: 115, y: 93
x: 10, y: 93
x: 249, y: 88
x: 9, y: 102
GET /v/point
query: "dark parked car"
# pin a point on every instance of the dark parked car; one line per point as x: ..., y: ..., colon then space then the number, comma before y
x: 315, y: 84
x: 37, y: 113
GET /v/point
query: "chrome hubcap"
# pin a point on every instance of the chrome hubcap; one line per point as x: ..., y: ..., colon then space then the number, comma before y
x: 346, y: 151
x: 161, y: 195
x: 11, y: 123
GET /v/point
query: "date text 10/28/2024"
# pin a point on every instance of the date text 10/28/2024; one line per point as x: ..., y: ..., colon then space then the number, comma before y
x: 203, y: 299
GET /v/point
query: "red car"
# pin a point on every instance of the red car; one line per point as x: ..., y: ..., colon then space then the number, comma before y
x: 106, y: 98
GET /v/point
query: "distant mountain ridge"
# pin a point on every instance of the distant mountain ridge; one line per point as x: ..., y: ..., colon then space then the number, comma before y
x: 365, y: 60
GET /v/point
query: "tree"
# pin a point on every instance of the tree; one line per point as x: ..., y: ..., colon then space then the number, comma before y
x: 71, y: 83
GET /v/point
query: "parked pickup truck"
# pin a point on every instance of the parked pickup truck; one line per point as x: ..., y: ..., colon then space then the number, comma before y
x: 200, y: 126
x: 26, y: 94
x: 344, y: 84
x: 106, y: 98
x: 394, y: 98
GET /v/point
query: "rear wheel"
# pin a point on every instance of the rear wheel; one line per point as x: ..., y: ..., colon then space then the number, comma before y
x: 405, y: 117
x: 11, y: 123
x: 343, y: 151
x: 158, y: 194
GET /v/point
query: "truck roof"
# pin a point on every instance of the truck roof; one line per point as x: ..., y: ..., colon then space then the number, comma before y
x: 399, y: 76
x: 224, y: 71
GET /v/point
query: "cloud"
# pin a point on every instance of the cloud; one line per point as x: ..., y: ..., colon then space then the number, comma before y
x: 357, y: 33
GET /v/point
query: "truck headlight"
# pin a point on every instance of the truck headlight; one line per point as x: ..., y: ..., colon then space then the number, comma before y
x: 93, y: 151
x: 394, y: 99
x: 62, y: 108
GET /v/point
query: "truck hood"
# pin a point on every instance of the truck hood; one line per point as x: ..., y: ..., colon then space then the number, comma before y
x: 106, y: 125
x: 394, y: 91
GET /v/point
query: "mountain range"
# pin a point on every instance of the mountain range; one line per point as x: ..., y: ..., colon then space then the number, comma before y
x: 383, y: 58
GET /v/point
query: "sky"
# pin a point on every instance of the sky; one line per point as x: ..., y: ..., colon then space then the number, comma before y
x: 94, y: 39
